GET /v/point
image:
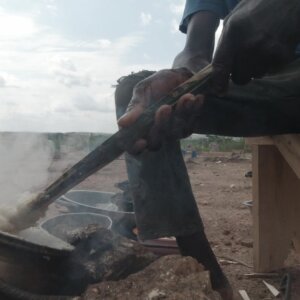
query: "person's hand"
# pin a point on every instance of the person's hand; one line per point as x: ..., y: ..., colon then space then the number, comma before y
x: 258, y: 36
x: 170, y: 122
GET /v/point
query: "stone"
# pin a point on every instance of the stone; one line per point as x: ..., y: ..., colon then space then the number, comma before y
x: 247, y: 243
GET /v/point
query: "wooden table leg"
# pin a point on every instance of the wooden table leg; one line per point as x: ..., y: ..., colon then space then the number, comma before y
x: 276, y: 210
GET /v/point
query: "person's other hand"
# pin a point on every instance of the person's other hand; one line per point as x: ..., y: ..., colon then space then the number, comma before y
x: 170, y: 122
x: 258, y: 36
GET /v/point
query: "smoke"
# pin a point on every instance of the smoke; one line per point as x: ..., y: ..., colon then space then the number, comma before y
x: 24, y: 160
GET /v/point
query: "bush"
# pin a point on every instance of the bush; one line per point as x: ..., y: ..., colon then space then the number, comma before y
x: 211, y: 142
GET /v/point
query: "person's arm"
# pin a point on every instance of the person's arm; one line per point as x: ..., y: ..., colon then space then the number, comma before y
x: 199, y: 43
x: 197, y: 53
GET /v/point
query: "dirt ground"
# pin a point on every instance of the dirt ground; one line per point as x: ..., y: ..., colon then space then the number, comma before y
x: 170, y: 277
x: 220, y: 188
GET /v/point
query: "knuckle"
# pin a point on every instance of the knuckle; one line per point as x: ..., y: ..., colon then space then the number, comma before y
x: 164, y: 73
x: 140, y: 89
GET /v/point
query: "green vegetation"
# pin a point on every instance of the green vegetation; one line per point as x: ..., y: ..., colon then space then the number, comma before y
x: 65, y: 142
x: 214, y: 143
x: 96, y: 139
x: 75, y: 141
x: 89, y: 141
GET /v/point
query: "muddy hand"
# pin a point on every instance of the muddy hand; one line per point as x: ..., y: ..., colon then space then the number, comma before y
x: 170, y: 121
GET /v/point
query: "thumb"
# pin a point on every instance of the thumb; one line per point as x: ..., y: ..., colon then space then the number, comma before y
x: 131, y: 116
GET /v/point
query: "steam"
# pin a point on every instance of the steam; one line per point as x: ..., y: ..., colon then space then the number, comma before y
x: 24, y: 160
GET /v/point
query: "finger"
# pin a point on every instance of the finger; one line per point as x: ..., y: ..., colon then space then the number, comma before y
x: 184, y: 120
x: 183, y: 102
x: 179, y: 128
x: 159, y: 131
x: 162, y: 115
x: 189, y: 105
x: 138, y: 147
x: 131, y: 116
x: 197, y: 107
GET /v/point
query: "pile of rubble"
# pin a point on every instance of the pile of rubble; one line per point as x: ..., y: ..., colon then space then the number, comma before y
x: 170, y: 277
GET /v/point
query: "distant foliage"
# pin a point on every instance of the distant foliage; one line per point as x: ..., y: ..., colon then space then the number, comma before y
x: 64, y: 142
x: 96, y: 139
x: 68, y: 142
x: 214, y: 143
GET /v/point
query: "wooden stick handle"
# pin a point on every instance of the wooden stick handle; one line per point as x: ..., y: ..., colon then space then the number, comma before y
x: 111, y: 149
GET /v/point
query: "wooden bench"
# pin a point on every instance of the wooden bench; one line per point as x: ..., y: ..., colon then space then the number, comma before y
x: 276, y: 199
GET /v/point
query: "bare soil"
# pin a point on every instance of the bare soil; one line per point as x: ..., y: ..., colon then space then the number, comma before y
x: 220, y: 188
x: 170, y: 277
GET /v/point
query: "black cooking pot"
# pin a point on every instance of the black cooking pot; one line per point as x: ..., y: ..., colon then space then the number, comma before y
x: 34, y: 267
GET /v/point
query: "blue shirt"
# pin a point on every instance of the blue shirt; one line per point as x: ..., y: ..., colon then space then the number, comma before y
x: 220, y: 7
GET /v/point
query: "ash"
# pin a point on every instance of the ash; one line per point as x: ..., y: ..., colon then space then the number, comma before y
x: 102, y: 255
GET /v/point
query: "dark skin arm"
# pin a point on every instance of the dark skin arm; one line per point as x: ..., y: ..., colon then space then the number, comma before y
x: 197, y: 53
x: 200, y: 40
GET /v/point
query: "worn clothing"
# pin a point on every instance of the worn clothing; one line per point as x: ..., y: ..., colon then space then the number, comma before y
x: 163, y: 200
x: 164, y: 203
x: 220, y: 7
x: 266, y: 106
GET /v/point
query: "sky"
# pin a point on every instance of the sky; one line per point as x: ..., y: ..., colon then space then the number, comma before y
x: 59, y: 59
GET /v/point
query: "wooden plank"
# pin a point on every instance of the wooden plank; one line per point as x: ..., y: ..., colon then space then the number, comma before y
x: 276, y: 210
x: 289, y: 146
x: 263, y: 140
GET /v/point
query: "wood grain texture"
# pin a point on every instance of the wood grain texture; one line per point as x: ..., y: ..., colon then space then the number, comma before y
x: 276, y: 211
x: 289, y: 146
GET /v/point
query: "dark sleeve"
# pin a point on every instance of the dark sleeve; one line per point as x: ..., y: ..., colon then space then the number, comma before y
x: 220, y: 7
x: 193, y: 6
